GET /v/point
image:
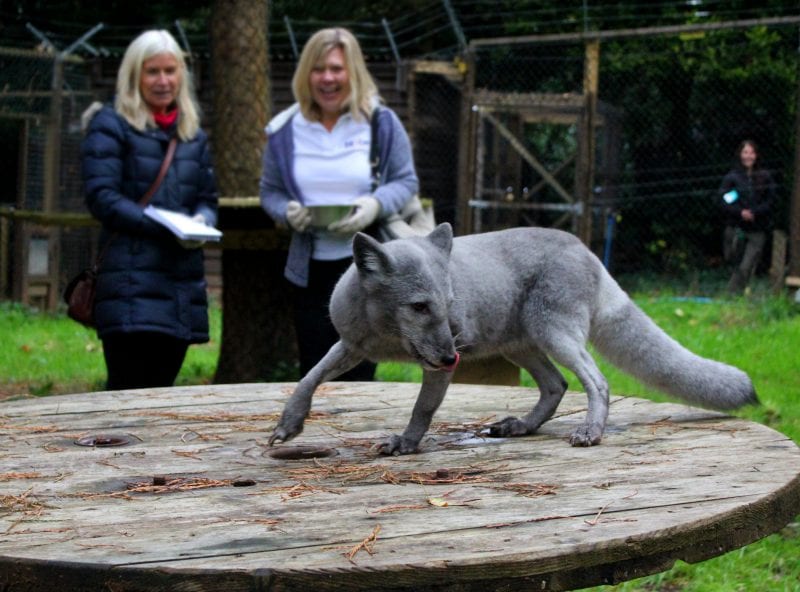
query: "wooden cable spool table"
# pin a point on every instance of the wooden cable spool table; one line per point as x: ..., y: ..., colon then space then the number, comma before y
x: 177, y: 489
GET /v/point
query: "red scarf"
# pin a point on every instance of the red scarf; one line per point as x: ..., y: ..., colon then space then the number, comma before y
x: 166, y: 120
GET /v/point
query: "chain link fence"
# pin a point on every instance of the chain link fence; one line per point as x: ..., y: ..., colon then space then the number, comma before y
x: 671, y: 109
x: 28, y: 112
x: 42, y: 96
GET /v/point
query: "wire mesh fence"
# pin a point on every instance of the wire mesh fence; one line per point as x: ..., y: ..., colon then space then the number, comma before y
x: 671, y: 109
x: 43, y: 96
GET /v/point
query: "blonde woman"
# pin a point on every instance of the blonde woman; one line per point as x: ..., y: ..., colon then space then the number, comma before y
x: 151, y: 291
x: 317, y: 153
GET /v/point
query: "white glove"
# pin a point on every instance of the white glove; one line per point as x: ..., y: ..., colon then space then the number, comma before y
x: 297, y: 216
x: 200, y: 218
x: 365, y: 210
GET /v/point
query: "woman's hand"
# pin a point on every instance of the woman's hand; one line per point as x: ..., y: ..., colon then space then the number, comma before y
x: 194, y: 244
x: 365, y: 210
x: 298, y: 217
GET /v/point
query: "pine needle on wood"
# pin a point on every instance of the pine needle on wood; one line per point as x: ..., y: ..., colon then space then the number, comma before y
x: 368, y: 545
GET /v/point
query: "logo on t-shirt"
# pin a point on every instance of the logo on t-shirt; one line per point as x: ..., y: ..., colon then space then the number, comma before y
x: 356, y: 142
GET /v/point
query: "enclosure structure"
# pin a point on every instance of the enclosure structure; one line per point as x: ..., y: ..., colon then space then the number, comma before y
x: 504, y: 195
x: 539, y: 130
x: 43, y: 94
x: 651, y: 117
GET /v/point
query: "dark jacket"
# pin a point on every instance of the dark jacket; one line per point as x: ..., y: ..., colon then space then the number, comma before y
x: 147, y: 280
x: 756, y: 193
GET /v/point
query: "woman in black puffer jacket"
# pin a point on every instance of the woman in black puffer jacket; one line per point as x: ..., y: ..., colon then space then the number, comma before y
x: 151, y: 290
x: 747, y: 195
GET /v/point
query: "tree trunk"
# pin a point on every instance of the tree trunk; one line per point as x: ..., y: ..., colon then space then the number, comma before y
x: 257, y: 333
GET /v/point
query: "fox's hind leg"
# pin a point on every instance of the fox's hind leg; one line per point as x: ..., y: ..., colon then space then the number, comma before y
x: 574, y: 356
x: 552, y: 387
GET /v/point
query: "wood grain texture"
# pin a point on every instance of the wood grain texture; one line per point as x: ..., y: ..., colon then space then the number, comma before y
x: 196, y: 500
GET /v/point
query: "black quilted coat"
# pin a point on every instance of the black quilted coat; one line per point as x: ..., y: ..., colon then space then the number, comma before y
x: 147, y: 280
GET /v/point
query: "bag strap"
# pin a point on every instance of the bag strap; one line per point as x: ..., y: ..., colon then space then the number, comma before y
x: 374, y: 151
x: 162, y: 172
x: 173, y: 142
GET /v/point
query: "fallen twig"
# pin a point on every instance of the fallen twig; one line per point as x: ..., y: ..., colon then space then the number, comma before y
x: 596, y: 519
x: 24, y: 503
x: 530, y: 489
x: 34, y: 429
x: 290, y: 492
x: 12, y: 476
x: 368, y: 545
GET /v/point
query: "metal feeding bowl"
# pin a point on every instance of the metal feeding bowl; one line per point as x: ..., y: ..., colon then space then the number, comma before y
x: 323, y: 216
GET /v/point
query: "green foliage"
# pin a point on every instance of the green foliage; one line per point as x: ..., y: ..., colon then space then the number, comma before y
x: 687, y: 102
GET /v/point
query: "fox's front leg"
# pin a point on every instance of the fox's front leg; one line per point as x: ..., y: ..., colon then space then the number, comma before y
x: 431, y: 394
x: 336, y: 362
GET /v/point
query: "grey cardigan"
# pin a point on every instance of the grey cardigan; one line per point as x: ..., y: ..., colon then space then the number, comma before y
x: 278, y: 186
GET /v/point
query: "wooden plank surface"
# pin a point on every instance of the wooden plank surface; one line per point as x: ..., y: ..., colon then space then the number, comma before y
x: 195, y: 499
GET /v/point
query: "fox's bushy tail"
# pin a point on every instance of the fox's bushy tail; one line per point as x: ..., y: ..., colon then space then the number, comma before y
x: 630, y: 340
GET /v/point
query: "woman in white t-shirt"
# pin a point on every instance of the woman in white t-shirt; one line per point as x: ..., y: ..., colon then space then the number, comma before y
x: 317, y: 153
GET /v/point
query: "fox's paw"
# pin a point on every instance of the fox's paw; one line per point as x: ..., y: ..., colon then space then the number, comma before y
x: 397, y: 445
x: 508, y: 428
x: 283, y: 433
x: 587, y: 435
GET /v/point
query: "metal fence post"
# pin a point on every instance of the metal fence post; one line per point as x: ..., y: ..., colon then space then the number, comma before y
x: 466, y: 152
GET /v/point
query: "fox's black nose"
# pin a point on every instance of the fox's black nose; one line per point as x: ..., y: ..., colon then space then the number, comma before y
x: 449, y: 363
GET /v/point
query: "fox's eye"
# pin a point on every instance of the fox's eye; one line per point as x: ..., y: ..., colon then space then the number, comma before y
x: 420, y: 306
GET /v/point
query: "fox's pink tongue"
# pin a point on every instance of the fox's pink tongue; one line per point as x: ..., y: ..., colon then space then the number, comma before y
x: 452, y: 367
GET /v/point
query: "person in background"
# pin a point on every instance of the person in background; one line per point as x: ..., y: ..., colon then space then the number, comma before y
x: 747, y: 195
x: 151, y: 301
x: 317, y: 153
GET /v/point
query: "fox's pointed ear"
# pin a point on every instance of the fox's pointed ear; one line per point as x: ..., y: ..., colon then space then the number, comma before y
x: 442, y: 237
x: 369, y: 256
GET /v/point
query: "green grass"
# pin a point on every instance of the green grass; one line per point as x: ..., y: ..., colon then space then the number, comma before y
x: 44, y: 354
x: 761, y: 335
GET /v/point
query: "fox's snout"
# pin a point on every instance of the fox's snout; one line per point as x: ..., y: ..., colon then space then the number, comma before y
x: 441, y: 355
x: 435, y: 349
x: 449, y: 363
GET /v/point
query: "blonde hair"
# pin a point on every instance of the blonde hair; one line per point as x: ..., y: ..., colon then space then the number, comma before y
x: 129, y: 102
x: 363, y: 90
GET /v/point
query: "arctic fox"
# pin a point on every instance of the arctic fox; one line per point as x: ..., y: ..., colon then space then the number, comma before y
x: 531, y: 295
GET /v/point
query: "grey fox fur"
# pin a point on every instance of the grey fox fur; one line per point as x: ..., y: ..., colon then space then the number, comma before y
x: 530, y: 294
